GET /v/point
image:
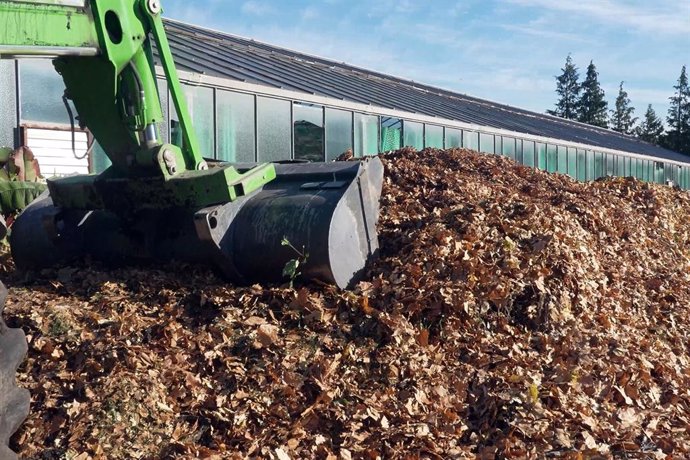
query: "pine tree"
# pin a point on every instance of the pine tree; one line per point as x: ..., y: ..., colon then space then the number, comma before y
x: 593, y: 108
x: 652, y: 128
x: 622, y: 117
x: 568, y: 90
x: 678, y: 136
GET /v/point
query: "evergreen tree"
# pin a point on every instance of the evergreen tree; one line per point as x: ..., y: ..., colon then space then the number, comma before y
x: 568, y: 90
x: 592, y: 106
x: 678, y: 135
x: 652, y: 128
x: 622, y: 117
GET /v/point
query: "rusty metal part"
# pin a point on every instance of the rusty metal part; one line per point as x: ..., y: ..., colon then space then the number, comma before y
x: 14, y: 401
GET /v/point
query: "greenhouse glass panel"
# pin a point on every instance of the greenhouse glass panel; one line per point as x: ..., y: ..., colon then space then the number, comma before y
x: 413, y: 135
x: 273, y: 129
x: 470, y: 140
x: 498, y: 144
x: 628, y: 166
x: 509, y: 147
x: 610, y: 164
x: 562, y: 160
x: 8, y: 108
x: 235, y: 125
x: 163, y: 126
x: 366, y: 135
x: 528, y: 153
x: 551, y: 158
x: 620, y: 166
x: 99, y: 160
x: 658, y: 172
x: 581, y: 165
x: 541, y: 156
x: 598, y: 165
x: 338, y: 132
x: 518, y: 151
x: 41, y: 92
x: 486, y: 143
x: 590, y: 165
x: 647, y: 172
x: 200, y: 107
x: 668, y: 172
x: 639, y: 166
x: 391, y: 133
x: 453, y: 138
x: 433, y: 136
x: 572, y: 162
x: 308, y: 132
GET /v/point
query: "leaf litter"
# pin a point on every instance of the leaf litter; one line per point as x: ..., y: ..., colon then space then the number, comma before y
x: 512, y: 313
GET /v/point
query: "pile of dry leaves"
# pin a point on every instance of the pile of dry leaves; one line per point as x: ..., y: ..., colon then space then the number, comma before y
x: 512, y: 314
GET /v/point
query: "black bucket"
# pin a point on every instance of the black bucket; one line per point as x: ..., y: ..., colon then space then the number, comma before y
x: 327, y: 211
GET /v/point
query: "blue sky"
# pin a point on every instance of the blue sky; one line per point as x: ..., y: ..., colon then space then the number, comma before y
x: 506, y: 51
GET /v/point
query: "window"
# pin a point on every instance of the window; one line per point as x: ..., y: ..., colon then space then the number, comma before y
x: 551, y: 158
x: 433, y: 136
x: 509, y: 147
x: 528, y: 153
x: 235, y: 125
x: 658, y: 172
x: 610, y: 164
x: 338, y: 132
x: 498, y: 145
x: 164, y: 124
x: 647, y: 173
x: 572, y: 162
x: 42, y: 90
x: 486, y: 143
x: 639, y: 165
x: 366, y: 134
x: 518, y: 151
x: 99, y: 160
x: 453, y: 138
x: 599, y: 165
x: 308, y: 132
x: 541, y: 156
x: 581, y: 165
x: 470, y: 140
x: 391, y: 133
x: 199, y: 101
x: 562, y: 160
x: 668, y: 172
x: 413, y: 135
x: 620, y: 166
x: 273, y: 129
x: 589, y: 161
x: 8, y: 108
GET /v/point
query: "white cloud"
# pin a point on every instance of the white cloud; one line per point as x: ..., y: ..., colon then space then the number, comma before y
x: 309, y: 13
x: 670, y: 17
x: 257, y: 8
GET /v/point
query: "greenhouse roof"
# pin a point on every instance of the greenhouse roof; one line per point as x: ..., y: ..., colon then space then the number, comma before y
x: 219, y: 54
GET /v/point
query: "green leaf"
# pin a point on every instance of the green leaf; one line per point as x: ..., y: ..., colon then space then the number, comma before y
x: 290, y: 268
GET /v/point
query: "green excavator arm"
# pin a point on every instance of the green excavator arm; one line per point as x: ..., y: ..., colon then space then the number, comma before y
x: 103, y: 50
x: 161, y: 201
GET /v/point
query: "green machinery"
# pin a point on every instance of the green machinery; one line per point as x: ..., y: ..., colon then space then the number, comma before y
x: 160, y: 201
